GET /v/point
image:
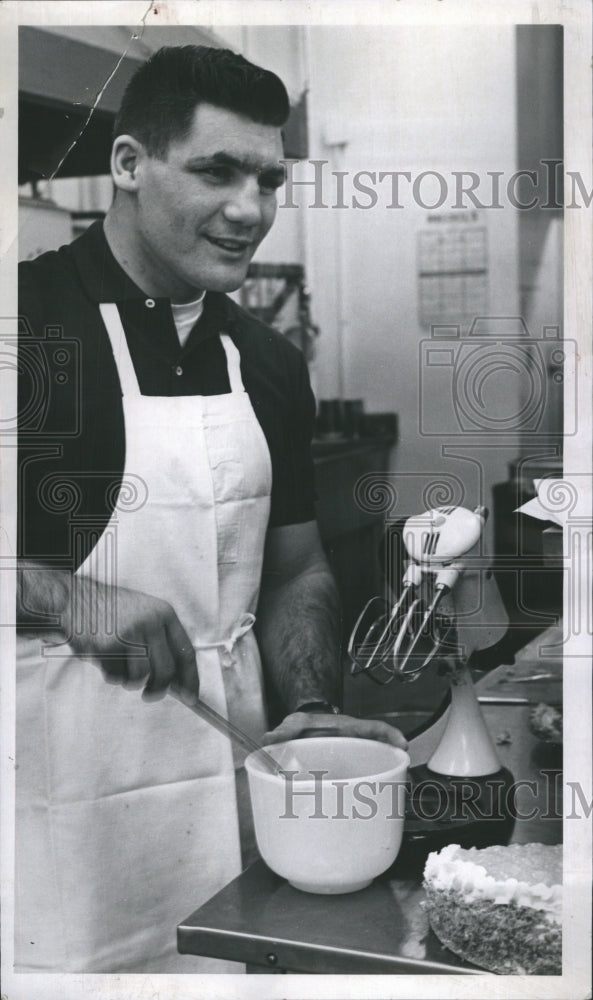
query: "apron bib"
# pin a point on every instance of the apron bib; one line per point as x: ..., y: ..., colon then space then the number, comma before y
x: 126, y: 810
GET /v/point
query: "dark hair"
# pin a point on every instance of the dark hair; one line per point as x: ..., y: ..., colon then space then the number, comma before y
x: 159, y: 101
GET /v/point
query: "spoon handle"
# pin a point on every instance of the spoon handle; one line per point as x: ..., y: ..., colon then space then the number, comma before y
x: 229, y: 729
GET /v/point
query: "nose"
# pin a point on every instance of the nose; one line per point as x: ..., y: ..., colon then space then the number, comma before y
x: 244, y: 206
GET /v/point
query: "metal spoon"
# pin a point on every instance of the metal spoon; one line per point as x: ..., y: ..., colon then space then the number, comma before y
x: 229, y: 729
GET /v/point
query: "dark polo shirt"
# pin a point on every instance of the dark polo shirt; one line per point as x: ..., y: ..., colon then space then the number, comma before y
x: 72, y: 436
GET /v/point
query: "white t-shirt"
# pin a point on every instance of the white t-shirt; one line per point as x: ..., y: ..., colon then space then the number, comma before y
x: 186, y: 315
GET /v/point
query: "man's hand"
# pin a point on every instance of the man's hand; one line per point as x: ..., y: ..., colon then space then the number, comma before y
x: 301, y: 724
x: 137, y: 638
x: 148, y: 642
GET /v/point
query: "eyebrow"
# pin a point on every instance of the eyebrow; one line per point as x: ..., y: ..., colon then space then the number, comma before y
x: 247, y: 165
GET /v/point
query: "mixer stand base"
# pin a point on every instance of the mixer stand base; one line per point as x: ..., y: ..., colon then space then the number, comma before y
x: 441, y: 809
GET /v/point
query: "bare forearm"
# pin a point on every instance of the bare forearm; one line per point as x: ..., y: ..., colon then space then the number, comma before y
x: 135, y: 637
x: 51, y: 599
x: 43, y: 596
x: 298, y: 631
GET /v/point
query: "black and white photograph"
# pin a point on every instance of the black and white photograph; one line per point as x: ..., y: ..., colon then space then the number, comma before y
x: 295, y: 537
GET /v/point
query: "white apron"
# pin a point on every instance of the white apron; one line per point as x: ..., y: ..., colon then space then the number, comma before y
x: 126, y: 810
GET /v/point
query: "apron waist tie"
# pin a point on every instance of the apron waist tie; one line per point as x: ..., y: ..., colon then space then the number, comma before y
x: 226, y: 646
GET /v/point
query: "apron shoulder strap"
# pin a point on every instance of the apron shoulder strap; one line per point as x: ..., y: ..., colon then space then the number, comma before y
x: 233, y: 359
x: 119, y: 346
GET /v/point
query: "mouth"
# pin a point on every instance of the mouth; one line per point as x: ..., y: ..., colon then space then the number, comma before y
x: 232, y: 246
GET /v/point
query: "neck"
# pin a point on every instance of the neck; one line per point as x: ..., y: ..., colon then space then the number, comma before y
x: 125, y: 244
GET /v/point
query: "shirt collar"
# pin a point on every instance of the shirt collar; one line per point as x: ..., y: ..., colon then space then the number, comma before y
x: 105, y: 280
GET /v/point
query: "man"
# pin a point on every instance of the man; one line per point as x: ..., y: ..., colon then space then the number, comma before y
x: 171, y: 469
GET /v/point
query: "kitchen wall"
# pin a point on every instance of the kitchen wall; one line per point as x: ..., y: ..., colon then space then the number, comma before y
x: 409, y: 99
x: 402, y: 99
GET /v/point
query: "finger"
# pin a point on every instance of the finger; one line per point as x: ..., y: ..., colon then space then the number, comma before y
x: 123, y: 659
x: 149, y: 694
x: 138, y: 667
x: 114, y: 668
x: 373, y: 729
x: 294, y: 725
x: 184, y: 656
x: 298, y: 724
x: 119, y: 668
x: 162, y: 667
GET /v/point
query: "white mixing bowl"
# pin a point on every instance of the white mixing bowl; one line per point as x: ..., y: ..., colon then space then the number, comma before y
x: 338, y: 822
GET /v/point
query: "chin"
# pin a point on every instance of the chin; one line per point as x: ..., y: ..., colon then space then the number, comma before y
x: 225, y: 282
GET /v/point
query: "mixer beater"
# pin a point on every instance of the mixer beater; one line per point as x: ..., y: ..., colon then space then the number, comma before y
x: 399, y: 641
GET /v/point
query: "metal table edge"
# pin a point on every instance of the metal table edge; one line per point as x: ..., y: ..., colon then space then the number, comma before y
x: 296, y: 956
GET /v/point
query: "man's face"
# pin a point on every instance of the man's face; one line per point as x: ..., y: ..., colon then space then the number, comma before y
x: 203, y: 211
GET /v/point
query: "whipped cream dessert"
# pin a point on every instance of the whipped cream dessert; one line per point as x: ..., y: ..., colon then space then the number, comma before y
x: 498, y: 907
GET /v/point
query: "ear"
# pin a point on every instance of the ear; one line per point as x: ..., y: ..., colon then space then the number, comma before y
x: 126, y: 155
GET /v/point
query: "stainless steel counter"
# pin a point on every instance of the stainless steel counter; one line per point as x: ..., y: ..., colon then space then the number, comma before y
x: 261, y: 920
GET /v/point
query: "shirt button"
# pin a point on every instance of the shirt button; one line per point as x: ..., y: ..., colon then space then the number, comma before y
x: 179, y: 370
x: 150, y: 303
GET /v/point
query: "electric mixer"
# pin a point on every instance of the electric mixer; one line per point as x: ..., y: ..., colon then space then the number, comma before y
x: 427, y: 621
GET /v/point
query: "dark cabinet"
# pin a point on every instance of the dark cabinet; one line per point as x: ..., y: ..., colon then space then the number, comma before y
x: 351, y: 535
